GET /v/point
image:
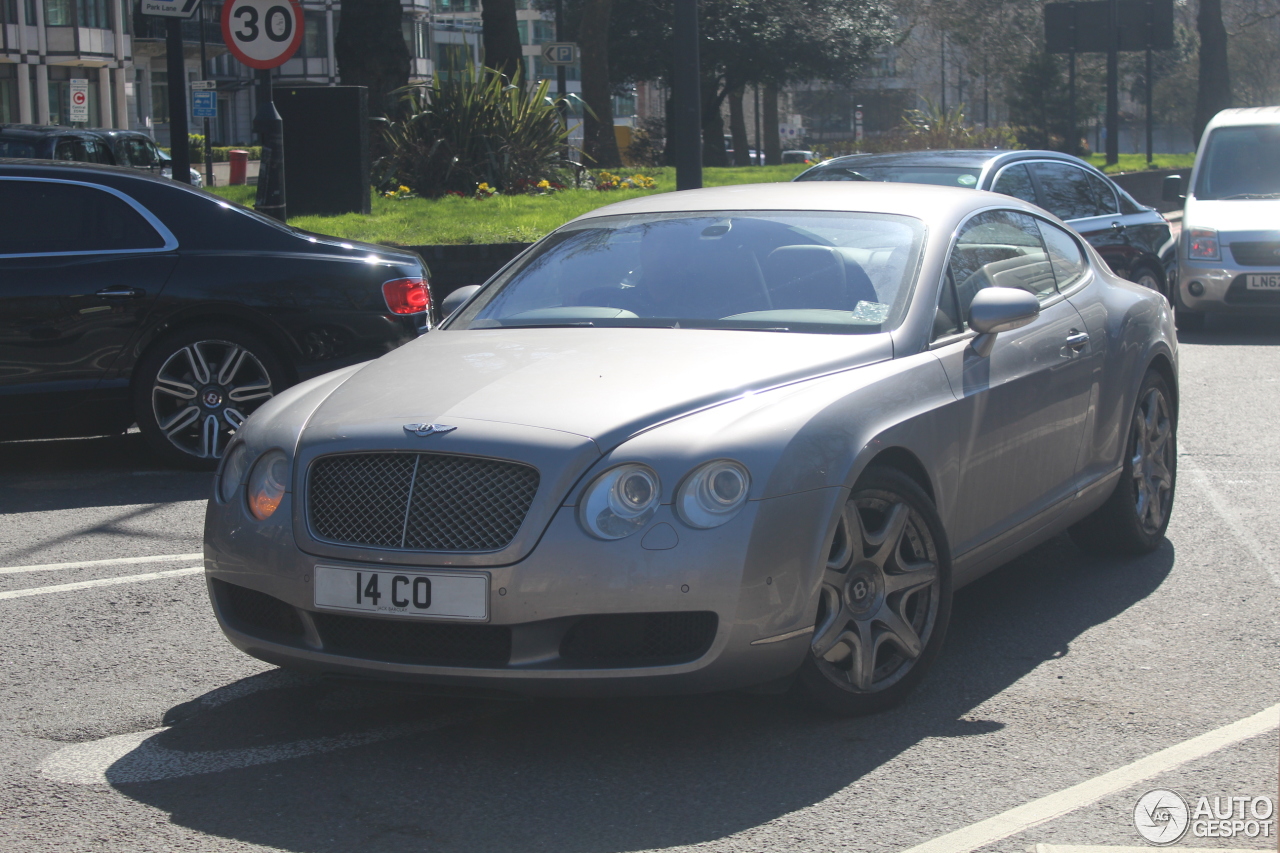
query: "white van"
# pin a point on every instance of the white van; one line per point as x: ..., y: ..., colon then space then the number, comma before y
x: 1229, y: 253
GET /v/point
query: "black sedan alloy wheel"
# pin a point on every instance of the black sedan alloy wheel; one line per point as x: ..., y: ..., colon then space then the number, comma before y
x: 885, y: 599
x: 199, y: 388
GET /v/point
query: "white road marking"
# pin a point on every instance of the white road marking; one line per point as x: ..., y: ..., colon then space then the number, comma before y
x: 138, y: 757
x: 83, y: 564
x: 68, y: 587
x: 1095, y: 848
x: 1243, y: 534
x: 1047, y: 808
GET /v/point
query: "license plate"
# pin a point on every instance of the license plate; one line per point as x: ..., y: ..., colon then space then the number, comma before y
x: 1263, y: 282
x: 403, y: 593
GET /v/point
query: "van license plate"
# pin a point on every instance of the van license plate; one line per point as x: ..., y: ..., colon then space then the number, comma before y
x: 1263, y: 282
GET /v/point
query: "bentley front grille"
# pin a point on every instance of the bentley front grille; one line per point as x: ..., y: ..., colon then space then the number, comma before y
x: 419, y: 501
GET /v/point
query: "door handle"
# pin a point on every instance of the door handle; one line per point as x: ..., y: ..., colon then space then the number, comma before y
x: 1077, y: 340
x: 1118, y: 228
x: 121, y: 292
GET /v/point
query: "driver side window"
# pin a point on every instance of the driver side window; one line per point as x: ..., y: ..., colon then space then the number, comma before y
x: 996, y: 248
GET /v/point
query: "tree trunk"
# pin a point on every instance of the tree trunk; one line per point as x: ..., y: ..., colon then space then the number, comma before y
x: 599, y: 142
x: 713, y: 149
x: 1214, y: 91
x: 370, y: 50
x: 769, y: 118
x: 502, y: 49
x: 738, y: 127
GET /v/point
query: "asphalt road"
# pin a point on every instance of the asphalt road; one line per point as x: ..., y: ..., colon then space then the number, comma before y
x: 127, y: 723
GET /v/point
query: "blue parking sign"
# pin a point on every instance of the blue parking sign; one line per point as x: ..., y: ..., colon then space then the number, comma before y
x: 204, y: 104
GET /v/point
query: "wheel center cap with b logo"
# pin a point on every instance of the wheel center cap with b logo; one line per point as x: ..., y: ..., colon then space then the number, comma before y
x: 863, y: 588
x: 212, y: 398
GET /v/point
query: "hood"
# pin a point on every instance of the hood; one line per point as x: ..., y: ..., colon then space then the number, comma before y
x: 602, y: 384
x: 1257, y: 219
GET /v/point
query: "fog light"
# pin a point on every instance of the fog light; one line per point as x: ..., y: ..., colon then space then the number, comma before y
x: 1196, y: 289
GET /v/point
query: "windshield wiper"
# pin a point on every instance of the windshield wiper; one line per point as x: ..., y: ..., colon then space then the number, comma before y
x: 1249, y: 196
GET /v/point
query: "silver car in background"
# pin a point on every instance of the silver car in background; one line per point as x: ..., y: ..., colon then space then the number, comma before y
x: 1229, y: 254
x: 747, y: 437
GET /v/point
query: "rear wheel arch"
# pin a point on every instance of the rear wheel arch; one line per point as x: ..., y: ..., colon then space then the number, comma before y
x: 1161, y: 364
x: 281, y: 345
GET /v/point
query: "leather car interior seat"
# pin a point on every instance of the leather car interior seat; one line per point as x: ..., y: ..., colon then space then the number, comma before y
x: 816, y: 277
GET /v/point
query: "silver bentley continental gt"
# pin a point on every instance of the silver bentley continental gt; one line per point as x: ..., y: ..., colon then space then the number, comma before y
x: 747, y: 437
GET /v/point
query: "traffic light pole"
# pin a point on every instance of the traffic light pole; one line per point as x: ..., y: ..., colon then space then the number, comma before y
x: 686, y: 130
x: 179, y: 144
x: 270, y: 198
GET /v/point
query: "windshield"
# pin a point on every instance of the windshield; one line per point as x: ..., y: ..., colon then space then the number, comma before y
x: 1240, y: 162
x: 842, y: 273
x: 16, y: 148
x: 943, y: 176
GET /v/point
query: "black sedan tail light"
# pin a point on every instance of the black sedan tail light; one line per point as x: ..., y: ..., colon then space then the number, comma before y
x: 407, y: 295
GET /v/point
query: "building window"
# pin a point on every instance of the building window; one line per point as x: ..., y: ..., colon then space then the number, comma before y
x: 160, y: 96
x: 93, y: 13
x: 543, y: 70
x: 452, y: 59
x: 543, y: 32
x: 59, y: 13
x: 457, y: 5
x: 8, y: 94
x: 315, y: 37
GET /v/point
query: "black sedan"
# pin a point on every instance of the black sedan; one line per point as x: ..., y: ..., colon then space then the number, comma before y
x: 1134, y: 240
x: 130, y: 299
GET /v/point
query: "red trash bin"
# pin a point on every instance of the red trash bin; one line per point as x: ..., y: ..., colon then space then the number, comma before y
x: 239, y: 165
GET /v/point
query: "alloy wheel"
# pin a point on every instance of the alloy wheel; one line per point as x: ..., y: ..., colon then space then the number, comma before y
x: 1152, y: 460
x: 880, y: 594
x: 204, y: 392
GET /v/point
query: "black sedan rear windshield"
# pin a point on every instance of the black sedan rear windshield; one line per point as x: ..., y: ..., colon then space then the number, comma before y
x: 943, y: 176
x: 777, y: 271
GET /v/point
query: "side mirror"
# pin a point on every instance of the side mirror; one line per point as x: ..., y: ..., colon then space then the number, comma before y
x: 454, y: 300
x: 999, y: 309
x: 1171, y: 188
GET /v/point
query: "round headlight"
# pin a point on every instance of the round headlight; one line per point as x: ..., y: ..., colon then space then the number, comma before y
x: 233, y: 472
x: 713, y: 494
x: 620, y: 501
x: 267, y: 483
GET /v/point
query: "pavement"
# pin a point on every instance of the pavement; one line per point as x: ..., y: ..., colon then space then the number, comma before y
x: 1068, y: 689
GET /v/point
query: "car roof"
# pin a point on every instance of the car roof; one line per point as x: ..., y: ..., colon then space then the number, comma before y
x: 921, y: 201
x: 1245, y: 116
x: 961, y: 157
x: 70, y: 170
x: 38, y: 131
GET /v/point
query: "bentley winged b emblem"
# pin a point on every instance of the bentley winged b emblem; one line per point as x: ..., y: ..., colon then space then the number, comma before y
x: 428, y: 429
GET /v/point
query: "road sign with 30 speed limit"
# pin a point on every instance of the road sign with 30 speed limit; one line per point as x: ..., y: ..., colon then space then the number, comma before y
x: 262, y: 33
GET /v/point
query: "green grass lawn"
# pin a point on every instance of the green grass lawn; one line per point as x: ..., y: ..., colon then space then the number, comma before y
x: 501, y: 219
x: 1138, y: 162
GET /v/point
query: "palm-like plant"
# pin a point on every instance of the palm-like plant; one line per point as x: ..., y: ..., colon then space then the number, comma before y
x: 470, y: 129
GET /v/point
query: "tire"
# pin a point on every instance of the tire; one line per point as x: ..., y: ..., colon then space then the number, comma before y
x: 193, y: 389
x: 892, y: 588
x: 1134, y: 519
x: 1148, y: 277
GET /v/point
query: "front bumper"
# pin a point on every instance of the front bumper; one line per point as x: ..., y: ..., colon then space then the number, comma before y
x: 1225, y: 288
x: 577, y: 616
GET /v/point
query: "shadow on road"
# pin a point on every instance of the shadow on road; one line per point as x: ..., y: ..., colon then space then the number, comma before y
x: 75, y: 473
x: 1235, y: 331
x: 578, y: 776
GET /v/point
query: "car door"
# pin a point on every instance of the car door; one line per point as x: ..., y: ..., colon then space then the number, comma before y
x: 1020, y: 412
x: 81, y: 265
x: 1089, y: 205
